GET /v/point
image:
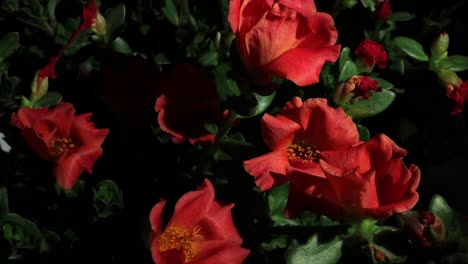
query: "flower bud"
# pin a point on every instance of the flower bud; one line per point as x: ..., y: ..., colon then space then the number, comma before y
x: 39, y: 86
x: 356, y: 86
x: 99, y: 25
x: 423, y: 227
x: 439, y: 46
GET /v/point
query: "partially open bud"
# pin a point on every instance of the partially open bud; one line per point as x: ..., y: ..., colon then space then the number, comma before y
x: 423, y: 227
x: 99, y: 25
x: 439, y: 46
x: 355, y: 88
x: 39, y: 86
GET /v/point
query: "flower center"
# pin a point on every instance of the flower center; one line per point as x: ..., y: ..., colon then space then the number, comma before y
x: 303, y: 152
x: 181, y: 240
x: 59, y: 146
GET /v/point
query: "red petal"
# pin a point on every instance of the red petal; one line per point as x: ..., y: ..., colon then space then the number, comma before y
x: 328, y: 128
x: 70, y: 168
x: 307, y: 192
x: 192, y: 206
x: 219, y: 251
x: 304, y: 7
x: 278, y: 132
x: 234, y: 12
x: 219, y: 219
x: 85, y: 133
x: 155, y: 219
x: 324, y: 33
x: 302, y: 65
x: 269, y: 170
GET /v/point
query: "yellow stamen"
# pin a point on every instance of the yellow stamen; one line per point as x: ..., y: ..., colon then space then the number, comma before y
x: 180, y: 239
x: 59, y: 146
x: 304, y: 152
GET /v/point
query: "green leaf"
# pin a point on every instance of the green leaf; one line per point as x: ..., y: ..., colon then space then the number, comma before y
x: 263, y: 102
x: 401, y: 16
x: 364, y: 134
x: 344, y: 57
x: 115, y: 20
x: 411, y: 47
x: 171, y: 12
x: 389, y: 241
x: 314, y: 252
x: 384, y: 84
x: 8, y: 44
x: 121, y: 45
x: 107, y: 199
x: 349, y: 70
x: 369, y: 4
x: 50, y: 244
x: 161, y: 58
x: 276, y: 243
x: 455, y: 63
x: 451, y: 219
x: 378, y: 102
x: 49, y: 99
x: 4, y: 207
x: 226, y: 87
x: 20, y: 231
x: 236, y: 146
x: 209, y: 58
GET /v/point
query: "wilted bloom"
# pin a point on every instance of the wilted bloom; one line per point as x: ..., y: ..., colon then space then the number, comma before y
x: 201, y: 230
x: 423, y: 227
x: 288, y: 39
x: 459, y: 94
x: 69, y: 141
x: 298, y: 137
x: 384, y: 9
x: 362, y: 181
x: 372, y: 53
x: 354, y: 87
x: 189, y: 100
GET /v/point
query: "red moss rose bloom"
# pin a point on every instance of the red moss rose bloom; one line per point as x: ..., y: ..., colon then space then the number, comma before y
x: 372, y: 52
x: 384, y: 10
x: 201, y: 231
x: 366, y: 180
x: 189, y: 99
x: 285, y: 38
x: 298, y: 137
x: 459, y: 94
x: 56, y: 134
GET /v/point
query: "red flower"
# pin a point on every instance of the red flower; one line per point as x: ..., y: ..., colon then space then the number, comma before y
x: 384, y: 10
x: 366, y: 180
x: 354, y: 88
x: 70, y: 141
x: 459, y: 94
x: 298, y: 137
x: 286, y: 38
x: 371, y: 52
x: 365, y: 86
x: 201, y: 231
x: 190, y: 98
